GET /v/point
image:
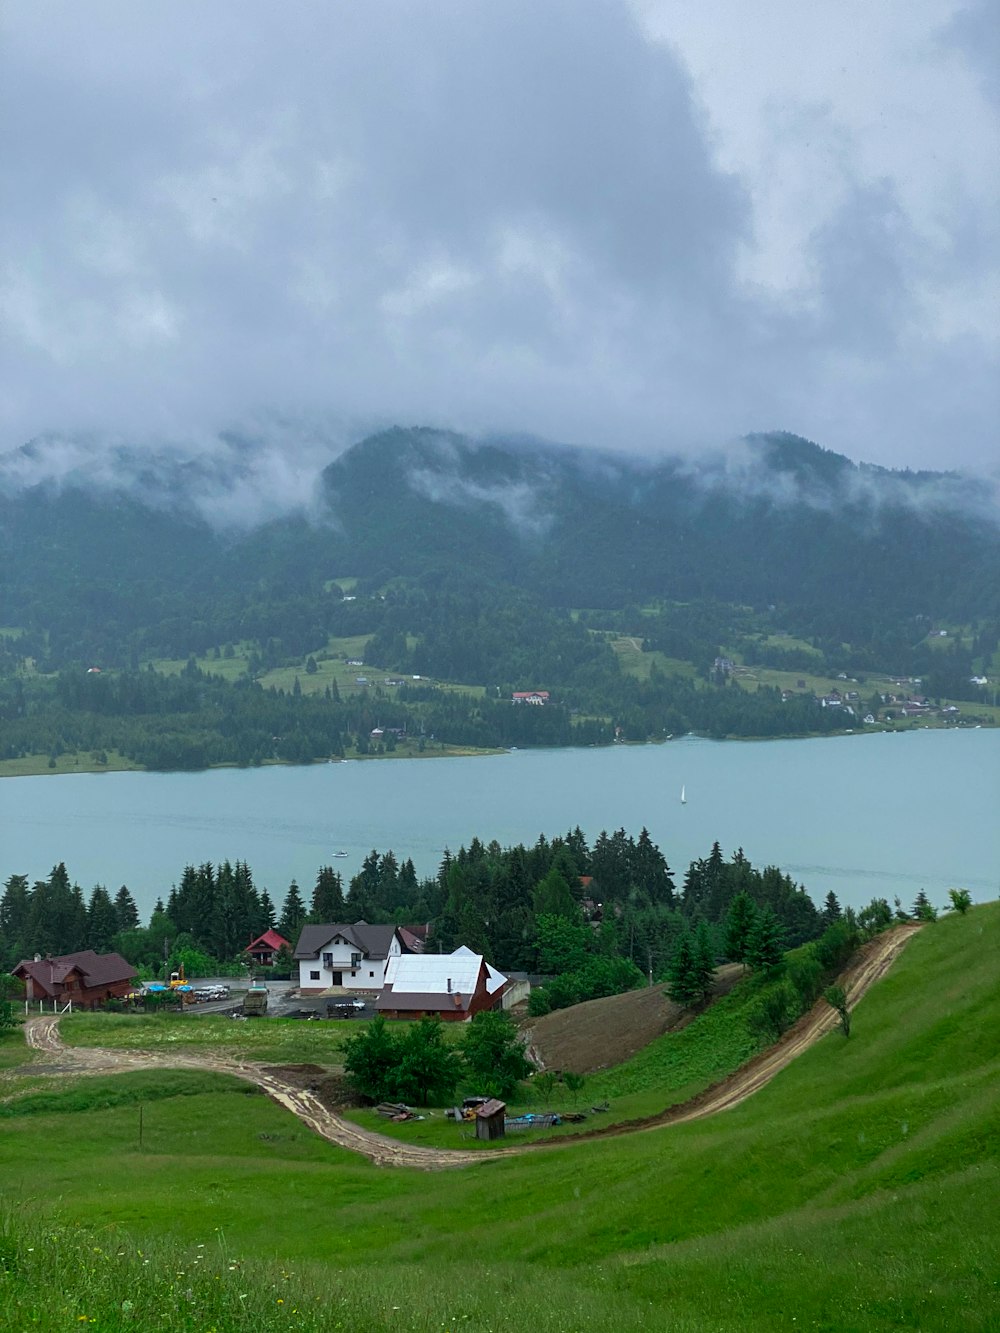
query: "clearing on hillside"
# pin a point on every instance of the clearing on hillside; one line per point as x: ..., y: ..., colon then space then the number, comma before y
x: 600, y: 1033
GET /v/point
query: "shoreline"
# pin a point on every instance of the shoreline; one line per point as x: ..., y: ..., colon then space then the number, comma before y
x: 38, y: 766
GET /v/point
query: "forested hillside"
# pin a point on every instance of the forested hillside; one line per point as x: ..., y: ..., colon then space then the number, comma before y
x: 497, y: 566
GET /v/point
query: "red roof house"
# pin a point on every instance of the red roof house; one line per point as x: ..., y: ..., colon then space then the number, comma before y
x: 265, y: 948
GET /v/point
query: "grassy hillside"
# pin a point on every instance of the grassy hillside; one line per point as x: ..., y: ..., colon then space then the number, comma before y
x: 855, y: 1192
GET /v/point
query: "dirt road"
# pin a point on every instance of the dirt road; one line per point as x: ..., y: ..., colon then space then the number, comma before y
x: 42, y: 1035
x: 52, y: 1056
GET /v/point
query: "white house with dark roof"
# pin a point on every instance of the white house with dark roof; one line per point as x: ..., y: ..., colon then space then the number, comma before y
x: 337, y: 955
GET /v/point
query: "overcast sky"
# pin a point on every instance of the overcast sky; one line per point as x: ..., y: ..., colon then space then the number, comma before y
x: 649, y: 225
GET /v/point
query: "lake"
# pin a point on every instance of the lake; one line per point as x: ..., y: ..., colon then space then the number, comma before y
x: 880, y: 814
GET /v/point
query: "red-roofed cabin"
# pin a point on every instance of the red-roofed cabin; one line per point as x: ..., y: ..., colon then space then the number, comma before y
x: 265, y: 948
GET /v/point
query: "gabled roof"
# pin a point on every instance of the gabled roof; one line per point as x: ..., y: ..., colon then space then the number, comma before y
x: 270, y: 940
x: 433, y: 974
x: 94, y: 969
x: 370, y: 941
x: 494, y: 980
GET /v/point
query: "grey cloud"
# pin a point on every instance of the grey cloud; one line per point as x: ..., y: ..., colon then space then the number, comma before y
x: 460, y: 213
x: 975, y: 31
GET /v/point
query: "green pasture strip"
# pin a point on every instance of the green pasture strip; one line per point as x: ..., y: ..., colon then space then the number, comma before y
x: 272, y: 1040
x: 229, y: 668
x: 102, y: 1093
x: 631, y: 658
x: 37, y: 765
x: 329, y: 672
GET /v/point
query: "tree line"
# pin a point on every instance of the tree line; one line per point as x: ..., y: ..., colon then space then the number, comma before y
x: 593, y: 919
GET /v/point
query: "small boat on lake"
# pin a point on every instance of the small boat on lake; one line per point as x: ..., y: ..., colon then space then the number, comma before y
x: 339, y: 854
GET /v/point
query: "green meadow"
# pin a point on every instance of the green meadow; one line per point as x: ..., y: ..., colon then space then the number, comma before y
x: 856, y: 1192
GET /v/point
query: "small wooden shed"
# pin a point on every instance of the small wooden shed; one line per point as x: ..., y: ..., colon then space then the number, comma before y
x: 490, y: 1119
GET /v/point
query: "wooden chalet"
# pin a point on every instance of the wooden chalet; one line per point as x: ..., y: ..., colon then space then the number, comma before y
x: 87, y: 978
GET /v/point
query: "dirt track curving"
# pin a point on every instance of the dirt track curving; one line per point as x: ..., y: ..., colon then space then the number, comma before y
x: 872, y: 963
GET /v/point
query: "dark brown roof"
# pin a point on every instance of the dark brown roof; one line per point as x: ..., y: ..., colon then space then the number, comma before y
x: 426, y: 1001
x: 371, y: 941
x: 96, y: 969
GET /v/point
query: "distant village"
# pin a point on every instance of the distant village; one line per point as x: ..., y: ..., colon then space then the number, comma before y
x: 904, y: 701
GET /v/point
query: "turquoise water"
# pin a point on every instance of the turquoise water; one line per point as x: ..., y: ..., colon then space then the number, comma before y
x: 863, y: 815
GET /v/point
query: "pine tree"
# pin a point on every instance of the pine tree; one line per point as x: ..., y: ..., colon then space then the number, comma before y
x: 267, y: 913
x: 328, y: 897
x: 15, y: 907
x: 126, y: 912
x: 703, y: 960
x: 923, y: 909
x: 765, y: 944
x: 682, y: 980
x: 831, y: 910
x: 739, y: 924
x: 293, y: 914
x: 102, y: 920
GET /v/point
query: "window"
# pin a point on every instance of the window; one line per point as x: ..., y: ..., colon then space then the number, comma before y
x: 314, y: 976
x: 328, y: 960
x: 371, y: 974
x: 355, y: 960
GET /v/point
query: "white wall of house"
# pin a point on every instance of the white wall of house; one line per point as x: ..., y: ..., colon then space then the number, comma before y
x: 340, y: 963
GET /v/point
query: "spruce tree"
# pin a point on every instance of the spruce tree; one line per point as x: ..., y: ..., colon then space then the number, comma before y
x: 102, y: 920
x: 267, y: 912
x: 682, y: 978
x: 15, y: 907
x: 293, y: 914
x: 765, y: 945
x: 831, y: 910
x: 703, y: 959
x: 126, y: 912
x: 328, y: 897
x: 739, y: 924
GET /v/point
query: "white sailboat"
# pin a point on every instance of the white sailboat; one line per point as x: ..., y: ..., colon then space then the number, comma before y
x: 684, y: 799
